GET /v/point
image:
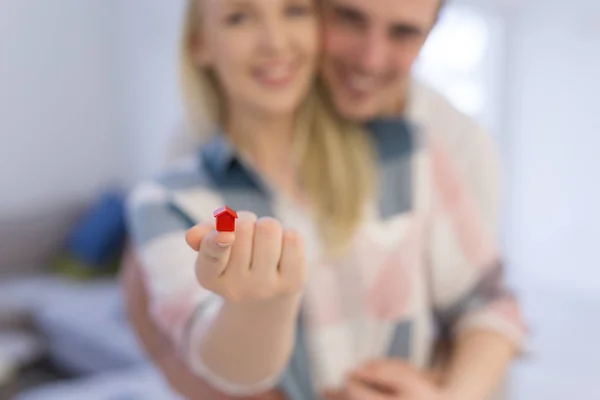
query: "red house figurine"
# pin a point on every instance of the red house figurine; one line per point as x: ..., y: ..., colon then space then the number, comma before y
x: 225, y: 219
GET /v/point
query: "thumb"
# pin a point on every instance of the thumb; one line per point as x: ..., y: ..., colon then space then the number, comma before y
x: 214, y: 253
x: 194, y: 236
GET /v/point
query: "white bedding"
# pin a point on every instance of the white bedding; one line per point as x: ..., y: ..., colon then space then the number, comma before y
x: 139, y: 383
x: 85, y: 324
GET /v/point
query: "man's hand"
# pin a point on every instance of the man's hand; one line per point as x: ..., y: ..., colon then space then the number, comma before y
x: 158, y: 346
x: 388, y: 379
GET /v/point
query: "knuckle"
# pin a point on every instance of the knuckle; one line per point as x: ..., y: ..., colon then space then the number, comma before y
x: 233, y: 294
x: 269, y: 227
x: 247, y: 217
x: 297, y: 280
x: 293, y: 238
x: 262, y: 289
x: 208, y: 259
x: 302, y: 277
x: 263, y: 293
x: 289, y: 288
x: 245, y: 228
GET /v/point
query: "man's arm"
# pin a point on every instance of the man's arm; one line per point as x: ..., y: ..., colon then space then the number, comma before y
x: 470, y: 295
x: 159, y: 347
x: 478, y: 366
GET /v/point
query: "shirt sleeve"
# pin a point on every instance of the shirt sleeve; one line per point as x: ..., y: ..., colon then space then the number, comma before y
x: 467, y: 270
x: 158, y: 230
x: 179, y: 305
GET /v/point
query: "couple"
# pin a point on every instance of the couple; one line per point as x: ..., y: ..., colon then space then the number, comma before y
x: 363, y: 240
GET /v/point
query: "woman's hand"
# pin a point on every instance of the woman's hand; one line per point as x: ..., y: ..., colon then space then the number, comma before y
x: 388, y: 379
x: 259, y: 271
x: 260, y: 261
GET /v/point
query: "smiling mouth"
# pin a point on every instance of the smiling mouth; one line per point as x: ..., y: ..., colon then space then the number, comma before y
x: 357, y: 84
x: 276, y: 75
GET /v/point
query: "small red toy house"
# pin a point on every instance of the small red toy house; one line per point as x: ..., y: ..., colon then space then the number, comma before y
x: 225, y: 219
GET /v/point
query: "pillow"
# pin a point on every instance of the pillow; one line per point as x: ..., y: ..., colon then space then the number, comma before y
x: 99, y: 236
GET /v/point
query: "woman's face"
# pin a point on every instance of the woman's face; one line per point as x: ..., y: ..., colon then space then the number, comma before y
x: 264, y: 52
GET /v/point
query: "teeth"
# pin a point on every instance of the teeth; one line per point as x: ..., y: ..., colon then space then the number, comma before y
x: 361, y: 83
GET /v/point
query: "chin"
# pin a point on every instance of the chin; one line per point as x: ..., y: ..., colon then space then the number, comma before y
x: 282, y: 102
x: 358, y: 112
x: 279, y: 106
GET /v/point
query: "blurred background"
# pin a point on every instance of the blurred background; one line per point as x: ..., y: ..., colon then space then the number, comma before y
x: 89, y: 99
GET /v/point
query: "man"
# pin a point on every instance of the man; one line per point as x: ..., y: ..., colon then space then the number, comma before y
x: 370, y: 49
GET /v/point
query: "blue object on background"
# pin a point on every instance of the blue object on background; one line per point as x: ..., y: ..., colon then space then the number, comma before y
x: 99, y: 237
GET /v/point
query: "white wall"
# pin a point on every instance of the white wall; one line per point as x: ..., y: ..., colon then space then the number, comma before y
x: 554, y: 123
x: 148, y: 45
x: 88, y: 96
x: 59, y: 132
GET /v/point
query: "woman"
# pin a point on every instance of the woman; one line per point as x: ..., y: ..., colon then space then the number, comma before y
x: 350, y: 269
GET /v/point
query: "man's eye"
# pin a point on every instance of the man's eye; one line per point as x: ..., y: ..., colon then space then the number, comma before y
x: 405, y: 33
x: 348, y: 16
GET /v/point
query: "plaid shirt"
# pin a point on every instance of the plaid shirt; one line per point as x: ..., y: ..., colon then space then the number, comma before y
x: 423, y: 262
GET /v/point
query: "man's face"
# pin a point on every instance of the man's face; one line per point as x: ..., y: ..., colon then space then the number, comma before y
x: 370, y: 47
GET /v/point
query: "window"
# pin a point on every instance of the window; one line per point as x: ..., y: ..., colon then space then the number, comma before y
x: 460, y: 60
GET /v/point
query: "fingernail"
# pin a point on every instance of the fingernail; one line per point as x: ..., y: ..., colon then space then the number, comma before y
x: 223, y: 245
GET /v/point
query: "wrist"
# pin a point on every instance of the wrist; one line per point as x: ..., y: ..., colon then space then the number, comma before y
x: 288, y: 300
x: 277, y: 308
x: 449, y: 392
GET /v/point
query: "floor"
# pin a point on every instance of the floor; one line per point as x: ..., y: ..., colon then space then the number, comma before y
x: 562, y: 359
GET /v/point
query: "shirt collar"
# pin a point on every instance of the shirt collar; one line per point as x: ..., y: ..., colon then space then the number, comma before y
x: 219, y: 156
x: 392, y: 137
x: 228, y: 168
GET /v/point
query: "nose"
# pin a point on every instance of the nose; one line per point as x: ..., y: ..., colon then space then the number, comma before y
x: 274, y: 37
x: 375, y: 52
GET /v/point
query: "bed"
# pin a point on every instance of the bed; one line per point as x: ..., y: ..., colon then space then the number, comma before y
x: 137, y: 383
x: 84, y: 323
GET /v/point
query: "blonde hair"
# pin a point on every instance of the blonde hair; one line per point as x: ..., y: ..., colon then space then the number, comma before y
x: 335, y: 156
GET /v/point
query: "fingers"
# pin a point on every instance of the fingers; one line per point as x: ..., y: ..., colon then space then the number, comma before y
x: 293, y: 261
x: 268, y: 236
x: 213, y: 255
x: 264, y: 262
x: 195, y: 235
x: 241, y: 253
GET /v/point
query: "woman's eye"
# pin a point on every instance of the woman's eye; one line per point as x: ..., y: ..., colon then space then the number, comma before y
x: 236, y: 18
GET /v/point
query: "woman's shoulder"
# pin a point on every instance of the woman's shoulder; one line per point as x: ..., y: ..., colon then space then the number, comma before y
x: 183, y: 174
